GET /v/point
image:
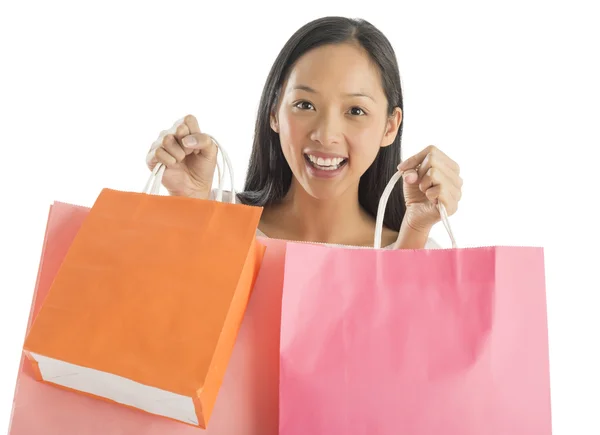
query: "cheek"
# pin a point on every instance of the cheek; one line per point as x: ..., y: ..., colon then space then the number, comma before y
x: 292, y: 131
x: 364, y: 144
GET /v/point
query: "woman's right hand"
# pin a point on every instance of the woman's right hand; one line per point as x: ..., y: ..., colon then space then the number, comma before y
x: 189, y: 157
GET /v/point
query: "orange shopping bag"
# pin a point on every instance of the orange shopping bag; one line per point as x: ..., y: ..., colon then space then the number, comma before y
x: 146, y: 306
x: 247, y: 403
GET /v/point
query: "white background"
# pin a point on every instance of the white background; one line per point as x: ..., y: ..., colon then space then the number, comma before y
x: 509, y: 90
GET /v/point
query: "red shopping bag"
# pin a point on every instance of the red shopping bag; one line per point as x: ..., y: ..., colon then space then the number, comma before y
x: 419, y: 342
x: 247, y: 401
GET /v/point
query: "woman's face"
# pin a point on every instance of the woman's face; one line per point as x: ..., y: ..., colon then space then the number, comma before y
x: 332, y: 119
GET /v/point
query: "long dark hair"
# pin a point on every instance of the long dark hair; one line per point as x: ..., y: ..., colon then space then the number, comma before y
x: 269, y: 175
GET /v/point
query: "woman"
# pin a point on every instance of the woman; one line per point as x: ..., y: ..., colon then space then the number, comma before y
x: 327, y: 140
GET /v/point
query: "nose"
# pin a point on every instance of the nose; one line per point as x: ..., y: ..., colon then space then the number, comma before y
x: 328, y: 130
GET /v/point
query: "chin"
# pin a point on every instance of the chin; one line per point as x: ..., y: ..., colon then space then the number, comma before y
x: 325, y: 190
x: 322, y: 194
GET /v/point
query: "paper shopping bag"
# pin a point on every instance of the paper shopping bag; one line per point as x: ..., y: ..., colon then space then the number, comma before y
x: 247, y: 403
x: 387, y: 342
x: 145, y: 308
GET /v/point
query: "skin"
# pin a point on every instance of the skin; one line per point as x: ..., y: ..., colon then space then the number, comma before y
x: 332, y: 102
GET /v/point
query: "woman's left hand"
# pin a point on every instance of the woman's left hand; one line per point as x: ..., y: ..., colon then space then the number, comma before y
x: 430, y: 177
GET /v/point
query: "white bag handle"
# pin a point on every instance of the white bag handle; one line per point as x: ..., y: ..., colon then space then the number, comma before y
x: 381, y: 213
x: 152, y: 186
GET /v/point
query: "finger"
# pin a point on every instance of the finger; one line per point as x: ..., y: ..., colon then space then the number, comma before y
x: 433, y: 194
x: 425, y: 166
x: 442, y: 160
x: 454, y: 167
x: 433, y: 159
x: 437, y: 194
x: 159, y: 140
x: 436, y: 177
x: 162, y: 156
x: 432, y: 177
x: 413, y: 161
x: 448, y: 196
x: 441, y: 164
x: 432, y: 155
x: 151, y: 156
x: 171, y: 146
x: 450, y: 177
x: 197, y: 142
x: 173, y: 130
x: 410, y: 176
x: 192, y: 124
x: 438, y: 158
x: 181, y: 131
x: 151, y: 160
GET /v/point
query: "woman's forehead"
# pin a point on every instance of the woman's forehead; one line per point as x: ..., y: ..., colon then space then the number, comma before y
x: 343, y: 67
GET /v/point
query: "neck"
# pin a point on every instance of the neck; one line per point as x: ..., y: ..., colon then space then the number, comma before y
x: 338, y: 221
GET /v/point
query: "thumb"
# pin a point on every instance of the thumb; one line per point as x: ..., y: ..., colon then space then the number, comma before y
x: 198, y: 142
x: 410, y: 176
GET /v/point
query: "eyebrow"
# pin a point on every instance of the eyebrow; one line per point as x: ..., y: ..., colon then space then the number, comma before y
x: 312, y: 91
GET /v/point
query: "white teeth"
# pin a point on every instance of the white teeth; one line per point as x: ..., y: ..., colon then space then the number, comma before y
x: 328, y: 164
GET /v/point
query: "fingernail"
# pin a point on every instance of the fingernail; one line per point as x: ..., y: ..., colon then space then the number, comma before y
x: 189, y: 141
x: 412, y: 177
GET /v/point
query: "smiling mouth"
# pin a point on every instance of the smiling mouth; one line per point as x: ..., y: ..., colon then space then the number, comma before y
x: 325, y: 164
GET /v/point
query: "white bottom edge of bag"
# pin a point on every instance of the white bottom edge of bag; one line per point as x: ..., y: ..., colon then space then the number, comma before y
x: 117, y: 388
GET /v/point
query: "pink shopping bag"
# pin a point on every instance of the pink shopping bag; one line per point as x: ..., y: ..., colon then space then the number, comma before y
x: 416, y: 342
x: 247, y: 401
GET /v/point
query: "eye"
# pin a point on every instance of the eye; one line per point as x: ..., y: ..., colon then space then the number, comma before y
x: 304, y: 105
x: 357, y: 111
